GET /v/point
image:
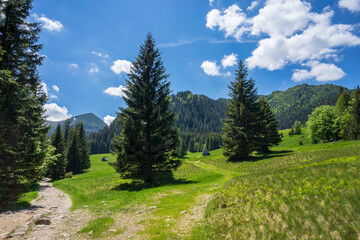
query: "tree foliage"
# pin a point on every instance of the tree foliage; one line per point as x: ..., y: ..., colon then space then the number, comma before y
x: 58, y: 167
x: 323, y: 124
x: 241, y: 124
x: 24, y: 144
x: 149, y: 141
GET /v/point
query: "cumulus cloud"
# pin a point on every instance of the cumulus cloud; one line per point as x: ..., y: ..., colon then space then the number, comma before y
x: 288, y: 32
x: 73, y: 66
x: 211, y: 69
x: 351, y: 5
x: 108, y: 119
x: 94, y: 69
x: 211, y: 2
x: 120, y: 66
x: 55, y: 113
x: 99, y: 54
x: 48, y: 24
x: 253, y: 5
x: 56, y: 88
x: 229, y: 60
x: 322, y: 72
x: 115, y: 91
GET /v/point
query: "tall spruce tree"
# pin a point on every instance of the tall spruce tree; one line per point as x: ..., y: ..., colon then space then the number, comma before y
x: 58, y: 168
x: 23, y: 134
x: 82, y: 147
x: 268, y: 131
x: 149, y: 141
x: 241, y: 124
x: 67, y: 128
x: 350, y: 121
x: 72, y: 153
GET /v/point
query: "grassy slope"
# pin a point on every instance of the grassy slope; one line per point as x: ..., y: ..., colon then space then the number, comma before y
x: 296, y: 192
x: 23, y: 201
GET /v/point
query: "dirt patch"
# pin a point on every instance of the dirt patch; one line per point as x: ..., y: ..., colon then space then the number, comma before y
x: 51, y: 207
x: 194, y: 215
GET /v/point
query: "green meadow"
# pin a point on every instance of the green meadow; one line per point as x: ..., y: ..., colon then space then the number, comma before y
x: 297, y: 192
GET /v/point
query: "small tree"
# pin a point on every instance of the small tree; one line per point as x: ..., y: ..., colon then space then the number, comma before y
x: 58, y: 168
x: 84, y: 158
x: 323, y: 124
x: 149, y: 141
x: 350, y: 118
x: 241, y: 125
x: 268, y: 131
x: 297, y: 128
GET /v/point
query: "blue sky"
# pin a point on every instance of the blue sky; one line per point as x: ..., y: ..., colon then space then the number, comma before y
x: 89, y: 46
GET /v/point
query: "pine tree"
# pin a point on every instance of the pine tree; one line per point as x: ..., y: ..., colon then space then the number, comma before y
x: 84, y: 158
x: 268, y: 131
x: 241, y: 124
x: 183, y: 149
x: 191, y: 146
x: 343, y: 101
x: 350, y: 120
x: 67, y: 128
x: 23, y: 134
x: 72, y: 153
x: 58, y: 168
x: 149, y: 141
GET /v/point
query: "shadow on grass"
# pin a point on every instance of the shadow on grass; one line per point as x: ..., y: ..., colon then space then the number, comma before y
x: 271, y: 154
x: 160, y: 180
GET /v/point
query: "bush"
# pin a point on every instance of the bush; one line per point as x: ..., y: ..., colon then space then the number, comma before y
x: 68, y: 175
x: 300, y: 142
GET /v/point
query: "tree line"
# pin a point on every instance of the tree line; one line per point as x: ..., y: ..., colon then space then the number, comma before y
x: 331, y: 123
x: 71, y: 151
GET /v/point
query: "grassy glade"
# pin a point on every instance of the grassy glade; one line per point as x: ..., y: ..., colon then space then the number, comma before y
x: 311, y: 192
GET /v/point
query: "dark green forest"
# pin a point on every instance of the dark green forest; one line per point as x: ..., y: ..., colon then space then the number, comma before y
x: 200, y: 118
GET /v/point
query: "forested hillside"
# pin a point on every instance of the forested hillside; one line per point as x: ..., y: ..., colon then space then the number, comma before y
x: 298, y: 102
x: 200, y: 117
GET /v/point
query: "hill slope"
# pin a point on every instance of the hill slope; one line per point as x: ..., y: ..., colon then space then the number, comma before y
x: 92, y: 123
x: 200, y: 117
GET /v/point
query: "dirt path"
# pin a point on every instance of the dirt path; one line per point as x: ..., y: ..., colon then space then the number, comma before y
x: 43, y: 220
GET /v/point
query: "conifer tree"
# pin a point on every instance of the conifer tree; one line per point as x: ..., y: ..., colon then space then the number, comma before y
x: 191, y: 146
x: 58, y: 168
x: 268, y: 131
x: 66, y: 131
x: 84, y: 158
x: 23, y: 134
x: 297, y: 127
x: 183, y: 149
x: 350, y: 120
x: 72, y: 153
x: 343, y: 101
x: 149, y: 141
x: 240, y: 136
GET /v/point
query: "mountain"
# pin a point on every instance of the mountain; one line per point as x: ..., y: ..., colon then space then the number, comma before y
x: 92, y: 123
x: 200, y: 117
x: 298, y: 102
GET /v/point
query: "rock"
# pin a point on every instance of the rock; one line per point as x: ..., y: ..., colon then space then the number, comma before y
x: 105, y: 204
x: 17, y: 234
x: 43, y: 221
x: 112, y: 230
x: 85, y: 206
x: 167, y: 220
x: 91, y: 232
x: 8, y: 212
x: 183, y: 211
x: 152, y: 207
x: 65, y: 235
x: 102, y: 202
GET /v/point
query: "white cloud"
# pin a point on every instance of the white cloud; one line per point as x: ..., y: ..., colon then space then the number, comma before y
x: 55, y: 113
x: 48, y: 24
x: 288, y: 32
x: 253, y: 5
x: 120, y: 66
x: 108, y: 119
x: 56, y: 88
x: 211, y: 2
x: 322, y: 72
x: 229, y: 60
x: 351, y: 5
x: 94, y: 69
x: 115, y: 91
x: 53, y: 96
x: 100, y: 54
x: 233, y: 21
x: 73, y: 66
x: 211, y: 69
